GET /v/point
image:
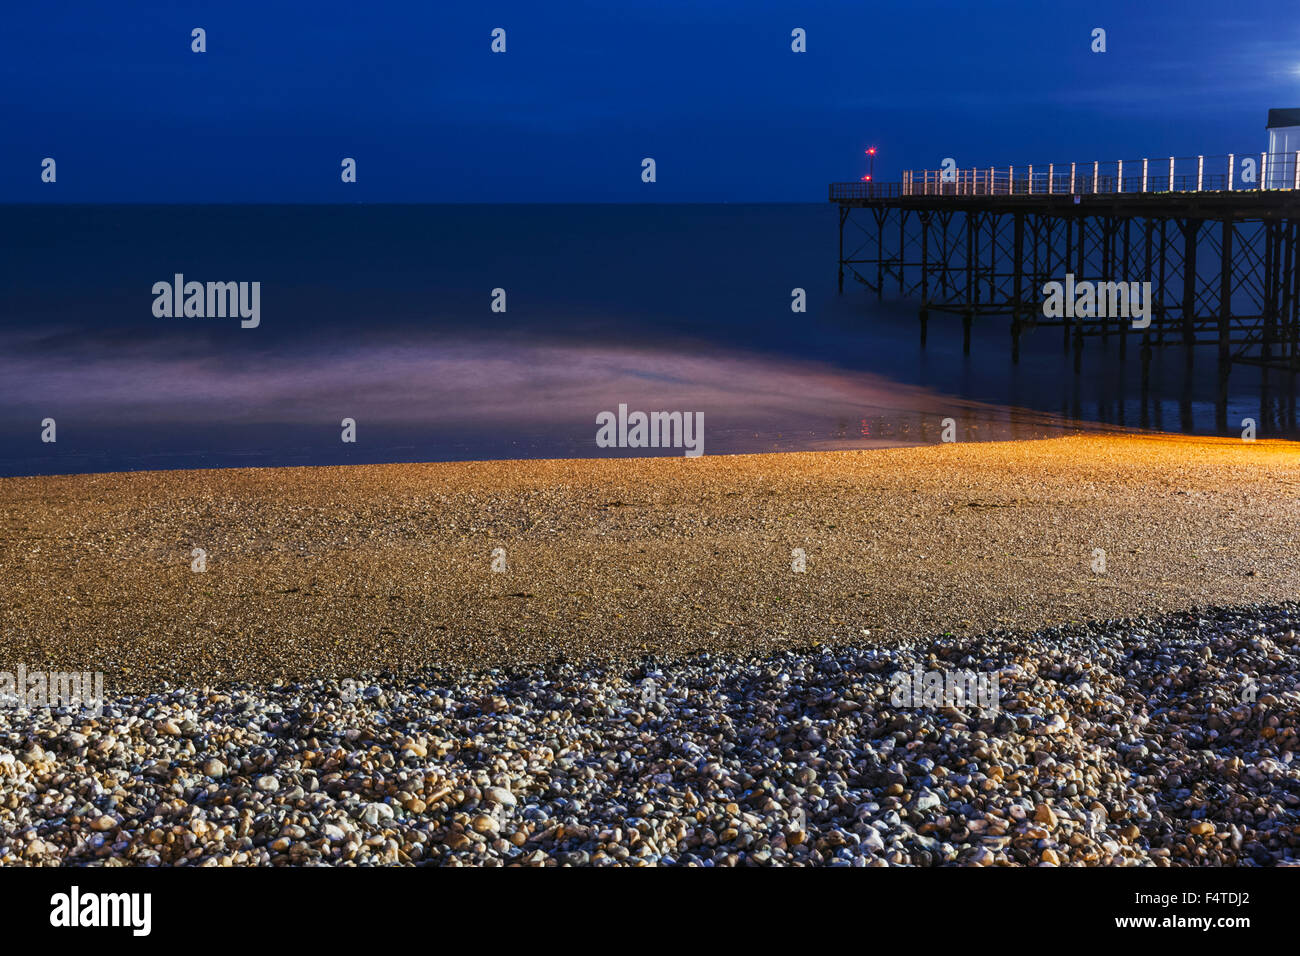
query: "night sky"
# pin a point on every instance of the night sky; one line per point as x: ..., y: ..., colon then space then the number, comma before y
x: 712, y: 91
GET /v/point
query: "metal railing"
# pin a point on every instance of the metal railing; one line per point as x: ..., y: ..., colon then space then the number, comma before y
x: 861, y: 190
x: 1231, y: 172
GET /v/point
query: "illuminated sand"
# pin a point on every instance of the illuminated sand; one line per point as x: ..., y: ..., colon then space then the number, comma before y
x: 336, y: 571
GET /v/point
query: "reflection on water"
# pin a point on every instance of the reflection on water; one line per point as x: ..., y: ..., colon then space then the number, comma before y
x: 1272, y: 408
x: 382, y: 314
x: 431, y: 398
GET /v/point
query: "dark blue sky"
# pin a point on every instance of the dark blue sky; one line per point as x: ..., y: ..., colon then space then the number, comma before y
x: 711, y: 90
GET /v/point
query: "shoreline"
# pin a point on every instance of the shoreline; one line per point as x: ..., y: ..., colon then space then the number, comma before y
x: 829, y: 446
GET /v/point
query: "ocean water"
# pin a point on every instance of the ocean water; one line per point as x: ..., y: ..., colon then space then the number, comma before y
x: 383, y: 314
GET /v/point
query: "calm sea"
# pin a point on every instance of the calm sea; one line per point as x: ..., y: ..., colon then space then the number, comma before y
x: 383, y: 315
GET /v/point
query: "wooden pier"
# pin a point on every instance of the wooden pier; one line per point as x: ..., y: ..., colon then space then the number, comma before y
x: 1219, y: 251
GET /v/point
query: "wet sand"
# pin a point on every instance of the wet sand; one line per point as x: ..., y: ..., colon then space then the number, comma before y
x: 346, y: 570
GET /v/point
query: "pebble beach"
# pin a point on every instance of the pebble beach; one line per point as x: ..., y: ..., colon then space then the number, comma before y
x: 650, y: 682
x: 1120, y: 743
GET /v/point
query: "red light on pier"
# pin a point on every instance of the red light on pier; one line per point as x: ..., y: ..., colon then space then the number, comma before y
x: 871, y: 161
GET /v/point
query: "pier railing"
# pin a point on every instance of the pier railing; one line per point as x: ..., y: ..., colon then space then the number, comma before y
x: 1187, y: 174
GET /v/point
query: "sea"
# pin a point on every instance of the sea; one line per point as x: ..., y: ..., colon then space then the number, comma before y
x: 486, y: 332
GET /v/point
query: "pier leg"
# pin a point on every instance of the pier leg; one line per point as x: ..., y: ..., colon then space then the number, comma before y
x: 1225, y: 317
x: 994, y: 220
x: 1069, y: 259
x: 972, y: 223
x: 1017, y: 301
x: 971, y: 263
x: 1146, y: 367
x: 1146, y: 379
x: 844, y: 212
x: 1160, y: 324
x: 1124, y: 277
x: 880, y: 253
x: 1186, y: 420
x: 925, y: 272
x: 1292, y: 316
x: 1147, y: 227
x: 1079, y: 272
x: 1288, y: 313
x: 1191, y: 230
x: 945, y: 255
x: 1036, y: 226
x: 1271, y: 236
x: 1107, y: 267
x: 902, y: 250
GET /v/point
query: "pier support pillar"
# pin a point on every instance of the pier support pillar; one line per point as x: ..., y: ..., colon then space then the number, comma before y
x: 1069, y: 262
x: 1160, y: 283
x: 1107, y: 272
x: 844, y: 214
x: 1191, y: 230
x: 1125, y: 271
x: 1080, y: 271
x: 881, y: 214
x: 1017, y: 291
x: 972, y: 265
x: 1225, y: 316
x: 925, y: 272
x: 1272, y: 249
x: 902, y: 251
x: 1146, y: 367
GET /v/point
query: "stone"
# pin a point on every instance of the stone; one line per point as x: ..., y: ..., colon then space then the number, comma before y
x: 375, y: 813
x: 925, y: 800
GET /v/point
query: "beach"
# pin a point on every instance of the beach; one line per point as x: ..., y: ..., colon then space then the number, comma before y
x: 723, y: 661
x: 341, y: 571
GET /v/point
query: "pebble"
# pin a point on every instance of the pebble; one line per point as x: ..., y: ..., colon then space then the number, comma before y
x: 1129, y: 742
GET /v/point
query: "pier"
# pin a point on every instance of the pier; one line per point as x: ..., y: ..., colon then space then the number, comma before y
x: 1216, y: 238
